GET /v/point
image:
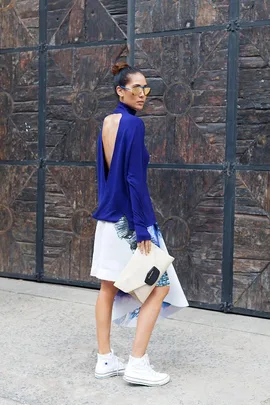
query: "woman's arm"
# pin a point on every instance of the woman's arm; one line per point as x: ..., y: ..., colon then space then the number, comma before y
x: 136, y: 178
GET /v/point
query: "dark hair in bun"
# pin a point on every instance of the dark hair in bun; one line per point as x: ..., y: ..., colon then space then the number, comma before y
x: 118, y: 67
x: 121, y: 71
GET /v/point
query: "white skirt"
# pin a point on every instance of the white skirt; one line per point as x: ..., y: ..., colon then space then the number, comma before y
x: 113, y: 247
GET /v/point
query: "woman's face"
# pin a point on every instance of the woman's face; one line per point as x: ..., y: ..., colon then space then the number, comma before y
x: 126, y: 96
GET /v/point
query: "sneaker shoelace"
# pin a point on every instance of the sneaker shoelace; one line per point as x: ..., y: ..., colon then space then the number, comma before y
x: 151, y: 367
x: 119, y: 364
x: 153, y: 372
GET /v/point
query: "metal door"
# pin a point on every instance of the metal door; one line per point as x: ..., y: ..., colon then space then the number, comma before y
x: 207, y: 122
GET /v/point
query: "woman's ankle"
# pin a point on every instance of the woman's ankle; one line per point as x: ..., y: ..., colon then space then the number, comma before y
x: 137, y: 354
x: 104, y: 350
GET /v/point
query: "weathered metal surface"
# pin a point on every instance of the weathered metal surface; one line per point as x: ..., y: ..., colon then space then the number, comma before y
x: 18, y: 106
x: 69, y: 229
x: 189, y: 210
x: 185, y: 119
x: 253, y: 10
x: 253, y: 140
x: 19, y: 23
x: 80, y: 21
x: 18, y: 187
x: 118, y: 11
x: 185, y: 115
x: 252, y: 241
x: 79, y: 95
x: 251, y: 288
x: 161, y: 15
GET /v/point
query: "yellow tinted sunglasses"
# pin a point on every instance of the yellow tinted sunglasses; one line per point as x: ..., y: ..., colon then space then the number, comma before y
x: 136, y: 91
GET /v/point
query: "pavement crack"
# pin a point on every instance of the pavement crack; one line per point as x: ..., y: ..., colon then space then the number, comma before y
x: 47, y: 297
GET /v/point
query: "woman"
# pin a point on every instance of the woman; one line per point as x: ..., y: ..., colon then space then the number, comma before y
x: 126, y: 220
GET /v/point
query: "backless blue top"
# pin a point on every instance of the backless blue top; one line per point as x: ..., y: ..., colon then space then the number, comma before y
x: 122, y: 190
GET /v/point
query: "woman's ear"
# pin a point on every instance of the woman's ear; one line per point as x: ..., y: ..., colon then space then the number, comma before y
x: 120, y: 92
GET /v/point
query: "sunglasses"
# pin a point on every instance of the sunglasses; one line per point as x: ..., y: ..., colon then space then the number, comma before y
x: 136, y: 91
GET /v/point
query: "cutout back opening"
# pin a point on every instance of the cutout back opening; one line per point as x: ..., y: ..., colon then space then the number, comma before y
x: 109, y: 136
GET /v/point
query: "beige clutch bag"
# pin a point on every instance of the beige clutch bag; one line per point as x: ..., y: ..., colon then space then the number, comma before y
x: 142, y: 272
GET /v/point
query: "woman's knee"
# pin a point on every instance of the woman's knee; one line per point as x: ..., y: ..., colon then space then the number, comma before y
x: 108, y: 288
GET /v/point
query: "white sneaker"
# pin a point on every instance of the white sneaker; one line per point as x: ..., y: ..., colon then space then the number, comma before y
x: 109, y: 365
x: 139, y: 371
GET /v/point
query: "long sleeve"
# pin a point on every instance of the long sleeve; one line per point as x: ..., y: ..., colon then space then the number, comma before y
x: 122, y: 190
x: 100, y: 168
x: 136, y: 179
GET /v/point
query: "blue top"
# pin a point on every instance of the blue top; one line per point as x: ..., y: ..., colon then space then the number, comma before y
x: 122, y: 190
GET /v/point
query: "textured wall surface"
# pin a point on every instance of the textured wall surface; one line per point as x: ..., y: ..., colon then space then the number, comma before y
x: 207, y: 130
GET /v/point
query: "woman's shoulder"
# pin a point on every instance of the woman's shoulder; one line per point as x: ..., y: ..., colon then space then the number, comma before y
x: 123, y: 117
x: 136, y: 122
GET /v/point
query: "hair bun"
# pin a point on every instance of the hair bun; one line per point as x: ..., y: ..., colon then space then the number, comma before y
x: 118, y: 67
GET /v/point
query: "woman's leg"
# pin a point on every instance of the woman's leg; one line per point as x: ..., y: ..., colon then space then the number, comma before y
x: 104, y: 315
x: 147, y: 319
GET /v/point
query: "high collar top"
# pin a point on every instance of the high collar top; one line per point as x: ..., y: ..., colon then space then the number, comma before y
x: 122, y: 189
x: 122, y: 107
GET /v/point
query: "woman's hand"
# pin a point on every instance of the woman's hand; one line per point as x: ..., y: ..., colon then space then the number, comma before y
x: 144, y: 246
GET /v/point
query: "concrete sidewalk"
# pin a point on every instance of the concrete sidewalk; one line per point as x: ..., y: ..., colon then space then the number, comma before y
x: 48, y: 353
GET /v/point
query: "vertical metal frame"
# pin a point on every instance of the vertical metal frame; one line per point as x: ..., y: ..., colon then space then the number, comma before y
x: 131, y: 32
x: 41, y: 139
x: 230, y: 156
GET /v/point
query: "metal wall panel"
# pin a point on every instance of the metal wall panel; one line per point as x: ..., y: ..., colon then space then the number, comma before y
x: 19, y: 23
x: 251, y: 285
x: 191, y: 69
x: 189, y: 209
x: 79, y: 94
x: 70, y: 198
x: 254, y: 10
x: 19, y: 105
x: 163, y: 15
x: 79, y: 21
x: 18, y: 189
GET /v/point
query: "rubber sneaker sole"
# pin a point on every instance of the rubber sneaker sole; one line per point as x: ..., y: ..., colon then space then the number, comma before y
x: 138, y: 381
x: 109, y: 374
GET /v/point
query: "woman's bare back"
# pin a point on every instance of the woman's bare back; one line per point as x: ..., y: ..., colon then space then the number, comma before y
x: 109, y: 132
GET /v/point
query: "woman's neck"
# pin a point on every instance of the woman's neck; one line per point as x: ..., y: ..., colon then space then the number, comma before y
x: 124, y: 107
